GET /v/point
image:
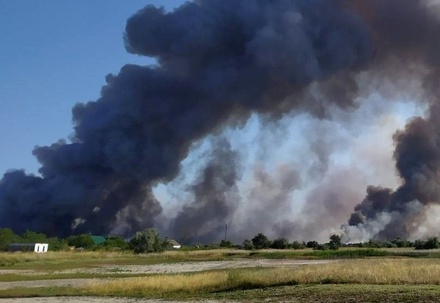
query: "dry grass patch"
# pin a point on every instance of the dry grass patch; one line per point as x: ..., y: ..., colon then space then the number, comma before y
x: 371, y: 271
x: 206, y: 281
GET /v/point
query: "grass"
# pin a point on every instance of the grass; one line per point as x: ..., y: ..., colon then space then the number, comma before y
x: 368, y: 272
x: 330, y: 293
x: 71, y: 260
x: 356, y: 275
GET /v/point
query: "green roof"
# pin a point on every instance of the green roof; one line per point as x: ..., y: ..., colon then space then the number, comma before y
x: 98, y: 239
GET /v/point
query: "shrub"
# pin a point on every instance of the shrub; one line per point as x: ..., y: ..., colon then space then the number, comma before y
x: 260, y: 241
x: 248, y: 245
x: 147, y: 241
x: 280, y: 243
x: 81, y: 241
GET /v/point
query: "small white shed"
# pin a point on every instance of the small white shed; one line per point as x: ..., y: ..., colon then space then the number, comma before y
x: 174, y: 244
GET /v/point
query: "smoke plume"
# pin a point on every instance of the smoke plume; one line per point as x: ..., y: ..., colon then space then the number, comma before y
x: 219, y: 62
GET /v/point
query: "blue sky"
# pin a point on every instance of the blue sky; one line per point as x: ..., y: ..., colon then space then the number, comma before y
x: 54, y: 54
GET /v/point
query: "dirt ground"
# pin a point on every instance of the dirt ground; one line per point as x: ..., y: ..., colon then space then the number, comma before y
x: 92, y: 300
x: 137, y: 269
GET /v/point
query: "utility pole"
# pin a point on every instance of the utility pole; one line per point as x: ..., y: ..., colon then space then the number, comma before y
x: 226, y: 231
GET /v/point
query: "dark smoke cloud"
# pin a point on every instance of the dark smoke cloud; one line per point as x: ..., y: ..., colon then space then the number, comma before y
x: 215, y: 198
x: 218, y: 61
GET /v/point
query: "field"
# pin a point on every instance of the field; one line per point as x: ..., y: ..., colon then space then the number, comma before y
x: 345, y: 275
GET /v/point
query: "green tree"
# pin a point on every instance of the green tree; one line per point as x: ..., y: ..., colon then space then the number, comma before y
x: 56, y: 244
x: 298, y: 245
x: 248, y: 245
x: 226, y: 244
x: 7, y: 236
x: 399, y: 242
x: 432, y: 243
x: 81, y: 241
x: 312, y: 244
x: 280, y: 243
x: 115, y: 243
x: 147, y: 241
x: 260, y: 241
x: 335, y: 242
x: 33, y: 237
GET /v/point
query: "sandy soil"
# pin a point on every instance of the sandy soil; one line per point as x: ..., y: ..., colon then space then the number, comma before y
x: 137, y: 269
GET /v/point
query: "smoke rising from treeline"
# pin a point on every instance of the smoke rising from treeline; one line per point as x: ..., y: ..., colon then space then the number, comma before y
x: 219, y: 62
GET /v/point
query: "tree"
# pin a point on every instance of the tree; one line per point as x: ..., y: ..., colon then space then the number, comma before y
x: 115, y: 243
x: 147, y: 241
x: 335, y: 242
x: 280, y: 243
x: 431, y: 243
x: 81, y: 241
x: 312, y: 244
x: 297, y: 245
x: 399, y: 242
x: 33, y: 237
x: 260, y: 241
x: 7, y: 236
x: 248, y: 245
x: 226, y: 244
x: 56, y: 244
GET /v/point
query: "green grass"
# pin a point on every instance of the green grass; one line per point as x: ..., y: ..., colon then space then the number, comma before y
x: 331, y: 293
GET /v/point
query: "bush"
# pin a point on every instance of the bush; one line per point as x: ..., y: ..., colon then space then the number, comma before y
x: 226, y: 244
x: 7, y: 236
x: 431, y: 243
x: 81, y: 241
x: 147, y: 241
x: 248, y: 245
x: 280, y: 243
x: 312, y: 244
x: 297, y: 245
x: 260, y: 241
x: 114, y: 243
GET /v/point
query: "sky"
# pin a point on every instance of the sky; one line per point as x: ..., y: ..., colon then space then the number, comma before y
x: 54, y: 54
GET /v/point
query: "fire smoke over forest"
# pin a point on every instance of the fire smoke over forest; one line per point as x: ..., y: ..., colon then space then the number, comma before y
x: 220, y: 64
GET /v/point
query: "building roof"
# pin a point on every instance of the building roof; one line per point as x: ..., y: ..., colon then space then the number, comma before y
x: 98, y: 239
x: 174, y: 242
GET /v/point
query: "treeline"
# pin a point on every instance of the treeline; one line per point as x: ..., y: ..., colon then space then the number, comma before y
x: 82, y: 241
x: 144, y: 241
x: 260, y: 241
x: 149, y: 240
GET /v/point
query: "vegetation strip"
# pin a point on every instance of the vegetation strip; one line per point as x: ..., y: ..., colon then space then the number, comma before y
x: 328, y: 293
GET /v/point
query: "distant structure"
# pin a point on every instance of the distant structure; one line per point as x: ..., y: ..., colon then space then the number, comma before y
x: 98, y: 239
x: 174, y: 244
x: 29, y: 247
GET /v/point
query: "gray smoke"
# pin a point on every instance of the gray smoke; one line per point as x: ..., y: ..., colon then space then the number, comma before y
x: 390, y: 213
x: 215, y: 198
